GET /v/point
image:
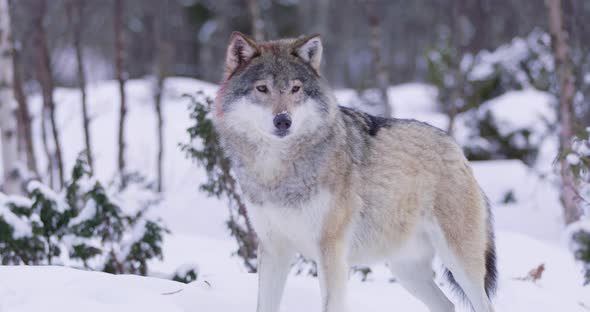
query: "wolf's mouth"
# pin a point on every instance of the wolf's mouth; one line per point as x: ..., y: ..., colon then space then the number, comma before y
x: 281, y: 132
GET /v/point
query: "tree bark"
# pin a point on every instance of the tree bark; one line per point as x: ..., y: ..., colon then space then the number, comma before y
x: 160, y: 125
x: 75, y: 10
x: 323, y: 19
x: 8, y: 110
x: 46, y: 148
x: 162, y: 62
x: 44, y: 75
x: 24, y: 115
x: 382, y: 76
x: 458, y: 40
x: 121, y: 78
x: 256, y: 20
x: 20, y: 118
x: 567, y: 90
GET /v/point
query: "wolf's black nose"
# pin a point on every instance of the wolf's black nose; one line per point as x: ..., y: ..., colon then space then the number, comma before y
x: 282, y: 121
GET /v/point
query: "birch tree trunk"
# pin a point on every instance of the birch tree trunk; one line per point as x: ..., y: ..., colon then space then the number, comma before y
x: 45, y: 77
x: 75, y: 10
x: 8, y: 109
x: 565, y: 77
x: 121, y: 78
x: 256, y: 20
x: 162, y: 63
x: 382, y: 76
x: 160, y: 125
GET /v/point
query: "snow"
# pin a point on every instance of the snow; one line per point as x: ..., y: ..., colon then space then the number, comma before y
x: 512, y: 55
x: 407, y: 99
x: 573, y: 159
x: 515, y: 111
x: 62, y: 289
x: 582, y: 147
x: 16, y: 200
x: 581, y: 225
x: 529, y: 229
x: 85, y: 291
x: 584, y: 150
x: 522, y: 109
x: 88, y: 212
x: 46, y: 192
x: 412, y: 98
x: 535, y: 213
x: 136, y: 198
x: 20, y: 226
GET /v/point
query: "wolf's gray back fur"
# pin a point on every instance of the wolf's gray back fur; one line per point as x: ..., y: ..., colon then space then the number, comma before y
x: 344, y: 187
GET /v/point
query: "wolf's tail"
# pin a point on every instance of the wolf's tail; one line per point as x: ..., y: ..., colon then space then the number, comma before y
x: 491, y: 277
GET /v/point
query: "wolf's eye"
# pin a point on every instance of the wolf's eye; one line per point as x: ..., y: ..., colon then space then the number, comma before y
x: 295, y: 89
x: 262, y: 89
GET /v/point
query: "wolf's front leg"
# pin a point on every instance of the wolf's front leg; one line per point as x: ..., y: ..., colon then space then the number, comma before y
x: 333, y: 276
x: 273, y: 267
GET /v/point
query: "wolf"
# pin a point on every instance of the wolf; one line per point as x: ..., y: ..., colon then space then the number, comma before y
x: 346, y: 188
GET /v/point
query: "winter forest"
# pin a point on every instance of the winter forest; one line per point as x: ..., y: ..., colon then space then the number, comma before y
x: 116, y: 194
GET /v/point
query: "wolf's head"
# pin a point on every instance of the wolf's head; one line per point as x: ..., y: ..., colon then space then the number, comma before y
x: 273, y: 90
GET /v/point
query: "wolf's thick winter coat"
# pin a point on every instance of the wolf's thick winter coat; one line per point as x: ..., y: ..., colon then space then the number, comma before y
x: 346, y: 188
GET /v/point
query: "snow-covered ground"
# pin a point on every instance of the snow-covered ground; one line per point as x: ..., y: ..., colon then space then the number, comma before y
x: 32, y: 289
x: 529, y: 229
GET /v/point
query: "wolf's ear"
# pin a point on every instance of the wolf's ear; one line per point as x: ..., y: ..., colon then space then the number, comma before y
x: 310, y: 49
x: 240, y: 51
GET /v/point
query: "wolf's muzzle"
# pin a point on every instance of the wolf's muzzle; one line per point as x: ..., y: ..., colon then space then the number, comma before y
x: 282, y: 124
x: 282, y: 121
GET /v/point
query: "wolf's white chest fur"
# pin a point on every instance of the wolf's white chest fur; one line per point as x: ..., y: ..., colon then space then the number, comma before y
x: 299, y: 226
